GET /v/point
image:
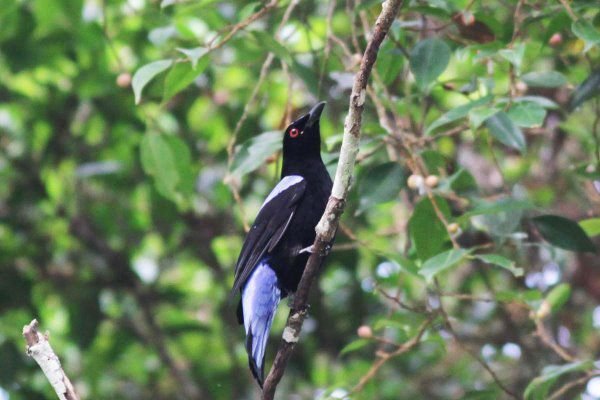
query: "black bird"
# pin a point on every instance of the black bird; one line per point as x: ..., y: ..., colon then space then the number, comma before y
x: 277, y: 247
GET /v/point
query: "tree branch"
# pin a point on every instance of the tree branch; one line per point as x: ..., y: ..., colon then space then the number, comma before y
x: 329, y: 222
x: 38, y: 347
x: 385, y: 356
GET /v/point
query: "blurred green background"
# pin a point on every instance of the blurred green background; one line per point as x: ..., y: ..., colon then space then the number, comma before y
x: 120, y: 223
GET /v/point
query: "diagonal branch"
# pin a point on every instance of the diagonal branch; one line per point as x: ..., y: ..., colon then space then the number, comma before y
x: 38, y: 347
x: 329, y: 222
x: 385, y: 357
x: 242, y: 25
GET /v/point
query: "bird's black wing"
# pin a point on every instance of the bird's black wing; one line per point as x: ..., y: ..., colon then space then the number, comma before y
x: 270, y: 225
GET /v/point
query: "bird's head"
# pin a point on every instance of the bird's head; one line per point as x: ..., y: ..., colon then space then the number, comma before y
x: 303, y: 136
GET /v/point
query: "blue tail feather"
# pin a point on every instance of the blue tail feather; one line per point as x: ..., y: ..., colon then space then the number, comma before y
x: 260, y: 298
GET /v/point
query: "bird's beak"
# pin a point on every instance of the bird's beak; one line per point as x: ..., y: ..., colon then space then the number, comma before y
x: 315, y: 114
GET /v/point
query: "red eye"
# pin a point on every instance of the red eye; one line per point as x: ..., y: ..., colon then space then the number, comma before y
x: 294, y: 132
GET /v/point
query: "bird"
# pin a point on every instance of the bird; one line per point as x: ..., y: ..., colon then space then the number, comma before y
x: 278, y: 244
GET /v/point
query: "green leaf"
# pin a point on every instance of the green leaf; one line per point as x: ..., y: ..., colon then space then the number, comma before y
x: 435, y: 162
x: 365, y: 5
x: 405, y: 264
x: 194, y: 54
x: 499, y: 206
x: 249, y: 9
x: 460, y: 181
x: 501, y: 262
x: 586, y: 32
x: 456, y: 113
x: 354, y: 345
x: 428, y: 59
x: 427, y: 232
x: 539, y: 100
x: 539, y: 387
x: 306, y: 74
x: 527, y: 114
x: 183, y: 164
x: 478, y: 115
x: 435, y: 11
x: 159, y: 161
x: 389, y: 62
x: 389, y: 323
x: 514, y: 55
x: 380, y: 184
x: 442, y: 262
x: 591, y: 226
x: 145, y: 74
x: 167, y: 159
x: 549, y: 79
x: 181, y: 75
x: 255, y: 151
x: 564, y: 233
x: 589, y: 88
x: 503, y: 129
x: 268, y: 42
x: 558, y: 296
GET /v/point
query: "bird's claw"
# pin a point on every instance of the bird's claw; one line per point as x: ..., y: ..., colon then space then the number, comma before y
x: 308, y: 250
x: 311, y: 249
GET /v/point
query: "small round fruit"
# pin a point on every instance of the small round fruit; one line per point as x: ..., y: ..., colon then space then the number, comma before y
x: 364, y: 332
x: 453, y: 228
x: 124, y: 79
x: 415, y: 181
x: 432, y: 181
x: 555, y: 39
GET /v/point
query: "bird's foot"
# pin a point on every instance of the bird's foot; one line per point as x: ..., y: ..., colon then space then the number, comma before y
x: 311, y: 249
x: 308, y: 249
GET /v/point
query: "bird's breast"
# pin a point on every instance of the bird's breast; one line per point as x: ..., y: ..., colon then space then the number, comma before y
x: 288, y: 262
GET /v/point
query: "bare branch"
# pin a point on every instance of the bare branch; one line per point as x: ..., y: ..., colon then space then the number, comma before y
x: 384, y: 356
x: 546, y: 337
x: 38, y: 347
x: 329, y: 222
x: 242, y: 25
x: 563, y: 390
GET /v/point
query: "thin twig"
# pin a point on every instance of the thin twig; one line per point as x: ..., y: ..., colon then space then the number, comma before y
x: 441, y: 216
x: 544, y: 335
x: 38, y: 347
x: 233, y: 185
x: 243, y: 24
x: 518, y: 21
x: 385, y: 357
x: 563, y: 390
x: 327, y: 50
x: 329, y: 222
x: 350, y: 7
x: 108, y: 39
x: 596, y: 132
x: 398, y: 302
x: 473, y: 297
x: 567, y: 7
x: 472, y: 353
